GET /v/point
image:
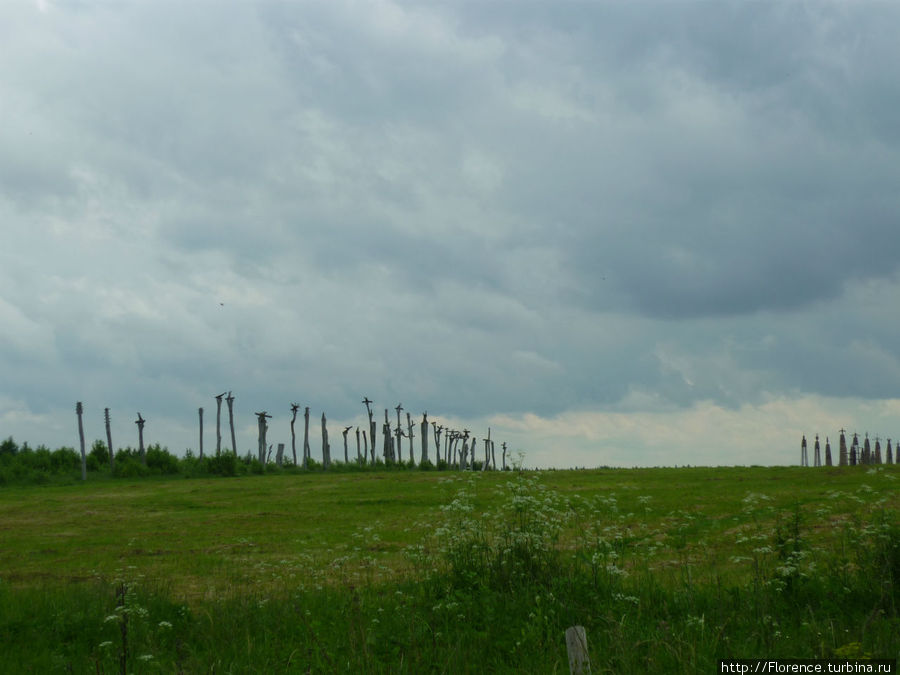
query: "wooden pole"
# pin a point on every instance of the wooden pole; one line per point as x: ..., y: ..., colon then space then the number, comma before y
x: 200, y: 412
x: 399, y: 449
x: 817, y: 454
x: 230, y: 401
x: 386, y: 430
x: 366, y: 447
x: 279, y: 455
x: 358, y: 457
x: 889, y: 459
x: 140, y: 425
x: 78, y: 411
x: 294, y: 409
x: 423, y: 430
x: 263, y: 428
x: 326, y: 451
x: 306, y: 453
x: 346, y: 456
x: 827, y: 452
x: 576, y: 647
x: 409, y: 433
x: 842, y: 458
x: 112, y: 459
x: 503, y: 445
x: 368, y: 405
x: 219, y: 423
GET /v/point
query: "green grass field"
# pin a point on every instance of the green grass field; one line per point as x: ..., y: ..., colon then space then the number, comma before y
x: 668, y: 569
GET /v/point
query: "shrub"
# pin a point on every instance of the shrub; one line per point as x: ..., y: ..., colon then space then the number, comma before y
x: 159, y: 460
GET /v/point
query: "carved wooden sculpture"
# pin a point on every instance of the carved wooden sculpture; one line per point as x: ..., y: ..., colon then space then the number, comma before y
x: 827, y: 452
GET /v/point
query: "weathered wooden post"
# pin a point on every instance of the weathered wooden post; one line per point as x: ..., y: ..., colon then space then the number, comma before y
x: 804, y: 460
x: 294, y: 409
x: 140, y: 425
x: 358, y: 457
x: 200, y: 413
x: 368, y: 405
x: 263, y: 428
x: 306, y: 451
x: 279, y: 455
x: 112, y: 459
x: 230, y: 401
x: 219, y: 423
x: 827, y: 452
x: 423, y: 431
x: 366, y: 447
x: 326, y: 449
x: 867, y: 451
x: 503, y: 446
x: 817, y: 455
x: 79, y: 409
x: 877, y: 450
x: 890, y: 459
x: 464, y: 455
x: 842, y: 449
x: 346, y: 456
x: 576, y: 647
x: 386, y: 431
x: 437, y: 428
x: 487, y: 451
x: 399, y: 435
x: 853, y: 449
x: 410, y: 435
x: 493, y: 457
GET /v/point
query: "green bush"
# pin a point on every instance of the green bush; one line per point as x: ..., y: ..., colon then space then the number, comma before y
x: 159, y: 460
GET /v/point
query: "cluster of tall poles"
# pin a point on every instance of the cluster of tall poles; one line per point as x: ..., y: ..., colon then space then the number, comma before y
x: 455, y: 448
x: 852, y: 456
x: 459, y: 449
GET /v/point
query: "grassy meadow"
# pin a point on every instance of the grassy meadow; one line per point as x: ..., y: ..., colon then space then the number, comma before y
x: 446, y: 572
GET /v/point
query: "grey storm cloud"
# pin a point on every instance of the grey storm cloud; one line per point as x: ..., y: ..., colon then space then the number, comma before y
x: 478, y: 208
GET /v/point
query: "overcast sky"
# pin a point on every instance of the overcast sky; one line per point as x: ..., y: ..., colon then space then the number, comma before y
x: 624, y: 233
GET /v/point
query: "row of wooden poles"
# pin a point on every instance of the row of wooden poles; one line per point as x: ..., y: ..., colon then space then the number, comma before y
x: 459, y: 446
x: 850, y: 456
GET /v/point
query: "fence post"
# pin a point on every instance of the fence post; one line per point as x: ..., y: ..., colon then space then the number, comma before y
x: 576, y: 646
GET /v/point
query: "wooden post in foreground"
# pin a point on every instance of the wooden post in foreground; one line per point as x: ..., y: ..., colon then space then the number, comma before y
x: 78, y: 411
x: 201, y: 432
x: 576, y: 647
x: 112, y: 459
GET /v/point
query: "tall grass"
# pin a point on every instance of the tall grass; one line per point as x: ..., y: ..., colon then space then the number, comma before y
x: 502, y: 571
